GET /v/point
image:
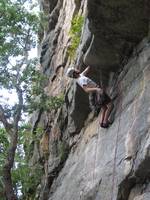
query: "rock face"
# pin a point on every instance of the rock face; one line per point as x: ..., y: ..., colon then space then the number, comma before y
x: 86, y: 162
x: 113, y: 163
x: 117, y: 27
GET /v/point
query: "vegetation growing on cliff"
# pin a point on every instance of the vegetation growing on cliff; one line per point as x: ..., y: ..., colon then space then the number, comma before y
x: 38, y: 99
x: 63, y: 150
x: 75, y: 34
x: 43, y: 25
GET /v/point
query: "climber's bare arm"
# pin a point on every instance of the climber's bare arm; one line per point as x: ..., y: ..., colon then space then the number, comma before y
x: 89, y: 89
x: 85, y: 72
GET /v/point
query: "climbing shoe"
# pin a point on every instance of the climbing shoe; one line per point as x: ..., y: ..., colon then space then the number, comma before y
x: 104, y: 125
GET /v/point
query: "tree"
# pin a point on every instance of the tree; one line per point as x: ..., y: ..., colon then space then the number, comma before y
x: 17, y: 36
x: 3, y: 147
x: 18, y: 75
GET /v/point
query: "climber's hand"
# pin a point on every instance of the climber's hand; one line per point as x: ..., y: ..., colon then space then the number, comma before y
x: 99, y: 90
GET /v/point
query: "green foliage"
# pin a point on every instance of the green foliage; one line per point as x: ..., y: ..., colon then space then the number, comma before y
x: 42, y: 101
x: 43, y: 25
x: 3, y: 147
x: 35, y: 96
x: 55, y: 102
x: 35, y: 138
x: 30, y: 183
x: 18, y: 29
x: 46, y: 103
x: 27, y: 179
x: 15, y: 24
x: 75, y: 33
x: 63, y: 150
x: 43, y: 20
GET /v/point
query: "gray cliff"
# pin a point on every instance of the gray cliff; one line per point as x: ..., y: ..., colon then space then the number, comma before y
x: 86, y: 162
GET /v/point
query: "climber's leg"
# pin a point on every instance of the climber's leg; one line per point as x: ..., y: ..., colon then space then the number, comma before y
x: 106, y: 109
x: 102, y: 115
x: 107, y: 113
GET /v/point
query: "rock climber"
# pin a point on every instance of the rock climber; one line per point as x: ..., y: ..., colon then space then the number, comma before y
x: 98, y: 98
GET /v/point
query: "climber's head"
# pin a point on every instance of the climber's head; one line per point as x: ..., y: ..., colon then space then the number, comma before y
x: 73, y: 73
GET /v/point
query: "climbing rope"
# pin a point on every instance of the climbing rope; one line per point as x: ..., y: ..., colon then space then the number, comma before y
x: 98, y: 131
x: 117, y: 134
x: 95, y: 157
x: 116, y: 145
x: 116, y: 140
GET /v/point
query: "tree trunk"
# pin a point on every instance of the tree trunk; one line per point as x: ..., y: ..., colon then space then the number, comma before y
x: 13, y: 133
x: 9, y: 191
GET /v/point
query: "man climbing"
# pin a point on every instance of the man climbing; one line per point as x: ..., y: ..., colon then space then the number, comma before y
x: 97, y: 96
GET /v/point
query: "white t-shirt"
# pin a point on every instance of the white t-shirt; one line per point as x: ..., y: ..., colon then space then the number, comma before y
x: 85, y: 81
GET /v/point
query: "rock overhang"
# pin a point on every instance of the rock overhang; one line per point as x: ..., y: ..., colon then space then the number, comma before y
x: 117, y: 26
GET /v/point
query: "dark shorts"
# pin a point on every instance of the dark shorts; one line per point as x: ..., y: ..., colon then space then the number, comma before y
x: 97, y: 100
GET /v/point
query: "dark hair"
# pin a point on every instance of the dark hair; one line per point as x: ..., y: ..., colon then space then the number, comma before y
x: 75, y: 73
